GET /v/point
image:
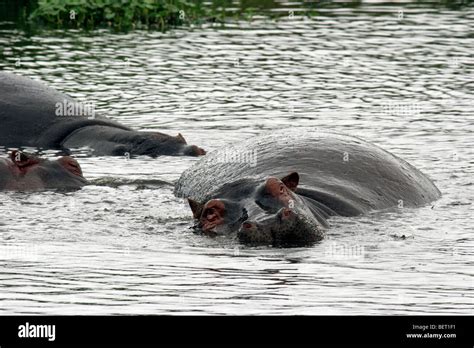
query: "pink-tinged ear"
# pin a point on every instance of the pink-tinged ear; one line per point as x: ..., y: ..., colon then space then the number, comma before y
x: 70, y: 164
x: 22, y: 160
x: 291, y: 181
x: 196, y: 208
x: 18, y: 157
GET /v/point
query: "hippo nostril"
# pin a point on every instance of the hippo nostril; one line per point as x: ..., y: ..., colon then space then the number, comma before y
x: 286, y: 213
x: 193, y: 150
x: 200, y: 152
x: 247, y: 225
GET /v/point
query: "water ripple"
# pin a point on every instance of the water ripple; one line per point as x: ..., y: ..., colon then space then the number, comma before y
x: 122, y: 245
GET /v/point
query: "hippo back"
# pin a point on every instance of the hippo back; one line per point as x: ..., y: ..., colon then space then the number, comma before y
x: 334, y: 165
x: 28, y: 114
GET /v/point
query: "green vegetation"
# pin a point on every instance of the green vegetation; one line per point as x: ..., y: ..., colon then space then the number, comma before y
x: 120, y: 14
x: 161, y: 15
x: 124, y: 15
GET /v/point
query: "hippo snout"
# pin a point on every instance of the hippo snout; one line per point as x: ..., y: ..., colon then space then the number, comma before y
x: 193, y: 150
x: 286, y: 214
x: 251, y: 233
x: 283, y: 227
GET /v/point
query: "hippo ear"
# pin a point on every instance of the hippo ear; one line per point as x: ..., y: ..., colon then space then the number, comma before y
x: 19, y: 158
x: 291, y: 181
x: 196, y: 208
x: 181, y: 138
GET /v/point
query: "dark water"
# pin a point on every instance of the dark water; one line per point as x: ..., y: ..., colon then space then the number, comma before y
x: 403, y: 80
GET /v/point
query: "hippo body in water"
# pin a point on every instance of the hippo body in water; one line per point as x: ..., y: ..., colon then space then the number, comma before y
x: 23, y: 172
x: 34, y: 115
x: 281, y: 188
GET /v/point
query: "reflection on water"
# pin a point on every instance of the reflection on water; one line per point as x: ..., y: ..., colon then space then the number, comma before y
x: 403, y: 83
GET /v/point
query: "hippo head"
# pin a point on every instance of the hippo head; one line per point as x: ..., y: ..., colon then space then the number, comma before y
x: 266, y: 211
x: 164, y: 144
x: 27, y: 172
x: 155, y: 144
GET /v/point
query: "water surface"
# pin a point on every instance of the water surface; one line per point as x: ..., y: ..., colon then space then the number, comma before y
x: 403, y: 83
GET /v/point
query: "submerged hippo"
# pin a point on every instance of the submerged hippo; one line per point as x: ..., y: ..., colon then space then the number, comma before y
x: 22, y: 172
x: 281, y: 188
x: 34, y: 115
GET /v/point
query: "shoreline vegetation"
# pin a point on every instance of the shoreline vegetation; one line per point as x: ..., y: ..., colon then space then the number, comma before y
x: 124, y: 15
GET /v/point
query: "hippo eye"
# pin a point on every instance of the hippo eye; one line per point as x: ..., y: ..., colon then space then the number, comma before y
x: 282, y: 188
x: 244, y: 216
x: 266, y: 204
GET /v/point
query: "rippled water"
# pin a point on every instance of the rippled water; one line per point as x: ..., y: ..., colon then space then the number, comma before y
x: 404, y: 83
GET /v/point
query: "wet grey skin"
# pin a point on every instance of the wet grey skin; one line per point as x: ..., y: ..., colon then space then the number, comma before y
x: 258, y: 218
x: 23, y: 172
x: 295, y: 182
x: 30, y: 117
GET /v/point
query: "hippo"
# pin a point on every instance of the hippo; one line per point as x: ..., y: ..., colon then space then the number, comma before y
x: 34, y: 115
x: 281, y: 188
x: 23, y: 172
